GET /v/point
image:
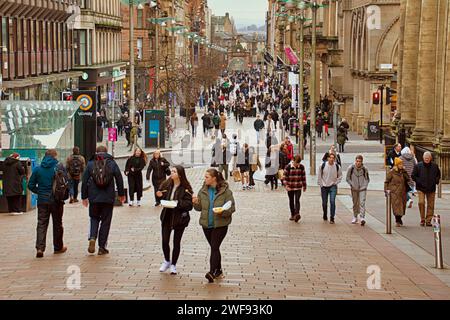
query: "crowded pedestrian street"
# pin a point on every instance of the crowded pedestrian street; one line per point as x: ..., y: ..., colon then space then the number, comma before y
x: 196, y: 151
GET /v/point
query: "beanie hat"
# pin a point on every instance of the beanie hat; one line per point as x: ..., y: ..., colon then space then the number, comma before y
x: 397, y: 161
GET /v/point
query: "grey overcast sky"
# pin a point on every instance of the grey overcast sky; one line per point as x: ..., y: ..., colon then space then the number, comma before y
x: 244, y: 12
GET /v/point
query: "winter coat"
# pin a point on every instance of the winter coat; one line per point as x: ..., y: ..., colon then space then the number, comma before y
x: 221, y: 153
x: 290, y: 151
x: 223, y: 122
x: 160, y: 168
x: 358, y: 179
x: 283, y: 160
x: 397, y: 183
x: 409, y: 161
x: 391, y: 157
x: 206, y: 121
x: 137, y: 163
x: 426, y: 176
x: 341, y: 137
x: 90, y: 190
x: 258, y: 124
x: 41, y: 181
x: 223, y: 195
x: 184, y: 204
x: 13, y: 173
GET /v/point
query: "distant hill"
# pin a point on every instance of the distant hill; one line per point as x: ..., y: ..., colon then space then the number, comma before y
x: 252, y: 28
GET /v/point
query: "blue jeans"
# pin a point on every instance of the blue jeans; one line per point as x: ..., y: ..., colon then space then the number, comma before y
x: 101, y: 216
x: 73, y: 188
x: 332, y: 191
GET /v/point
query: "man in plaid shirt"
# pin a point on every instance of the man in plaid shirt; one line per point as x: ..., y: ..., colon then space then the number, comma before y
x: 294, y: 181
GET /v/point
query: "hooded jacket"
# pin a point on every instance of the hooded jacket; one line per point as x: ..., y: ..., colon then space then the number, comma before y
x: 409, y: 161
x: 89, y: 189
x: 358, y: 179
x: 13, y: 172
x: 41, y: 181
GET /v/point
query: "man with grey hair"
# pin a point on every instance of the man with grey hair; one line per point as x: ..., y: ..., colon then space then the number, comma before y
x: 426, y: 174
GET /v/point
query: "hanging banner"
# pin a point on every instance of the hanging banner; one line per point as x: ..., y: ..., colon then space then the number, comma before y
x: 290, y: 54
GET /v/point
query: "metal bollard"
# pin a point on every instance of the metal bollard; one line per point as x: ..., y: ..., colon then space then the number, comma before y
x: 437, y: 242
x: 388, y: 213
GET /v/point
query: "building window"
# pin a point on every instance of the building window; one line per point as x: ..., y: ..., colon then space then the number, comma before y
x: 81, y: 47
x: 139, y: 48
x: 140, y: 18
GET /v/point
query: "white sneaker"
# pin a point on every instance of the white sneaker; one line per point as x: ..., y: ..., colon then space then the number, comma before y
x: 173, y: 269
x: 135, y: 203
x: 16, y: 213
x: 164, y: 266
x: 130, y: 203
x: 139, y: 203
x: 355, y: 220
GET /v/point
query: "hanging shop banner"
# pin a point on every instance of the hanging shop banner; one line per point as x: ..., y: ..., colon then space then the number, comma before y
x: 290, y: 54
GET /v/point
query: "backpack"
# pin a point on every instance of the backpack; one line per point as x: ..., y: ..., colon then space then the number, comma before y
x: 75, y: 167
x: 60, y: 185
x: 323, y: 166
x: 364, y: 172
x: 101, y: 173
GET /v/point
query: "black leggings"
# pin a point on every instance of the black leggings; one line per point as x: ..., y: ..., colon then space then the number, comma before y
x: 215, y: 237
x: 166, y: 232
x: 135, y: 185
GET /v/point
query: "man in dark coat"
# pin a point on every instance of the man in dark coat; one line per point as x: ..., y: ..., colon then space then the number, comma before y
x: 426, y: 174
x: 13, y: 173
x: 394, y: 153
x: 100, y: 199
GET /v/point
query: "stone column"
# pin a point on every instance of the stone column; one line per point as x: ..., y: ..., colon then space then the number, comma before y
x: 400, y: 52
x: 355, y: 104
x: 445, y: 143
x: 408, y: 85
x: 361, y: 103
x: 426, y: 76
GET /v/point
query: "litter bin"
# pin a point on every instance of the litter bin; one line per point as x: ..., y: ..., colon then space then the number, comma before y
x: 373, y: 130
x: 26, y: 199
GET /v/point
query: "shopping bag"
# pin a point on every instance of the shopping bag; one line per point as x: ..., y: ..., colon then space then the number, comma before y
x: 236, y: 176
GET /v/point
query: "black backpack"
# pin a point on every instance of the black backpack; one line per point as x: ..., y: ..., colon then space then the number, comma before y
x: 101, y: 173
x: 75, y: 167
x: 60, y: 185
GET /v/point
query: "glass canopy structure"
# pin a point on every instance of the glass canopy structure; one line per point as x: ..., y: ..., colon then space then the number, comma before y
x: 31, y: 127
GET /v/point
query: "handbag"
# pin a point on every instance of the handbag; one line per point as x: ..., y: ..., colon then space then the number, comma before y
x: 185, y: 219
x: 236, y: 176
x: 280, y: 174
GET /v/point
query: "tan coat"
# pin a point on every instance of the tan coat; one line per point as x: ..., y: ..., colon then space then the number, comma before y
x: 223, y: 122
x: 397, y: 182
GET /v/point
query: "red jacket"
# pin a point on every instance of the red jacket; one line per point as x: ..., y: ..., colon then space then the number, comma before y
x: 290, y: 151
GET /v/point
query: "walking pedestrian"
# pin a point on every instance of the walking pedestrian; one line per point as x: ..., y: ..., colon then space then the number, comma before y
x: 393, y: 154
x: 176, y: 188
x: 98, y: 192
x: 223, y: 155
x: 409, y: 161
x: 289, y: 149
x: 358, y: 179
x: 329, y: 176
x: 51, y: 183
x: 133, y: 170
x: 341, y: 138
x: 194, y: 124
x: 397, y: 182
x: 332, y: 150
x: 272, y: 166
x: 13, y: 175
x: 216, y: 122
x: 426, y: 174
x: 244, y: 166
x: 75, y: 165
x: 255, y: 163
x: 214, y: 220
x: 294, y: 179
x: 259, y: 126
x: 223, y: 122
x: 161, y: 169
x: 206, y: 118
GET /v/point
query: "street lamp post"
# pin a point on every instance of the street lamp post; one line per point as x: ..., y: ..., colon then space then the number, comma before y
x: 132, y: 80
x: 314, y: 7
x: 300, y: 88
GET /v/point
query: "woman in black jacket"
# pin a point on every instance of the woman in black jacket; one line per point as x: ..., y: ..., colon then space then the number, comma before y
x: 160, y: 168
x: 176, y: 188
x: 133, y: 170
x: 13, y: 173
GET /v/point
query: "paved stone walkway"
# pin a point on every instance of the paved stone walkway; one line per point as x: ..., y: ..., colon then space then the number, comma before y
x: 265, y: 256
